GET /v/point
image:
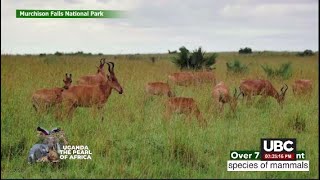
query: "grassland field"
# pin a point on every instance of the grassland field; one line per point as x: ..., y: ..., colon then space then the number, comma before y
x: 133, y: 141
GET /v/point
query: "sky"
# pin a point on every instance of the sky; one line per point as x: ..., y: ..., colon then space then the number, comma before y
x: 162, y: 25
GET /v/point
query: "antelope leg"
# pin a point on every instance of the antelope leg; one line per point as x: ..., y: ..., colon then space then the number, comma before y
x: 249, y: 101
x: 221, y: 104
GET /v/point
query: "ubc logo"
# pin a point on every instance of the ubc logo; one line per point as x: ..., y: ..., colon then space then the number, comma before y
x: 278, y: 145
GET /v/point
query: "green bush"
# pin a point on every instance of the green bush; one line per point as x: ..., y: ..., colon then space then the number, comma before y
x: 58, y: 53
x: 306, y: 52
x: 78, y: 53
x: 284, y: 71
x: 172, y: 52
x: 236, y: 67
x: 195, y: 60
x: 246, y: 50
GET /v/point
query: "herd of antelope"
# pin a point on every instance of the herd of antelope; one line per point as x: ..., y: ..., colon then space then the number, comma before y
x: 90, y: 91
x: 220, y: 92
x: 94, y: 91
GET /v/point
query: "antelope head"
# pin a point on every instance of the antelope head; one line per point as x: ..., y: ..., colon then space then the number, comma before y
x: 67, y: 81
x: 101, y: 66
x: 171, y: 94
x: 282, y: 94
x: 112, y: 79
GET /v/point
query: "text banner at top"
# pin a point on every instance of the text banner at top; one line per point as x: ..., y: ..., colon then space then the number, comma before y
x: 27, y: 13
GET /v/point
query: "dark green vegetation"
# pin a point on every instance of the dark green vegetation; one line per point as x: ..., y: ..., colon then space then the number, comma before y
x: 195, y: 60
x: 284, y: 71
x: 245, y: 50
x: 306, y: 52
x: 236, y: 67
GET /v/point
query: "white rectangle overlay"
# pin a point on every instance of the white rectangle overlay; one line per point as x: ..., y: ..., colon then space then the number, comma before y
x: 268, y: 165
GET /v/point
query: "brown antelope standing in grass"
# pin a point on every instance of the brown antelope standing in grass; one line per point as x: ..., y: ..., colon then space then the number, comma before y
x: 91, y: 95
x: 204, y: 77
x: 302, y: 86
x: 44, y: 98
x: 256, y: 87
x: 221, y: 95
x: 181, y: 78
x: 183, y: 105
x: 159, y: 88
x: 189, y: 78
x: 97, y: 78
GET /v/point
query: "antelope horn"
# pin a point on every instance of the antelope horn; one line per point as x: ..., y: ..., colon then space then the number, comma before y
x: 235, y: 93
x: 112, y: 66
x: 43, y: 130
x: 109, y: 67
x: 239, y: 93
x: 282, y: 88
x: 285, y: 89
x: 101, y: 61
x: 55, y: 130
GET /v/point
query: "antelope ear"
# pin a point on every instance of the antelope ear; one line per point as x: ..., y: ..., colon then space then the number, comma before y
x: 44, y: 131
x: 55, y: 130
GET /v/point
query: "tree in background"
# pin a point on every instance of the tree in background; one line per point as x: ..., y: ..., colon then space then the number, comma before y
x: 195, y: 60
x: 246, y: 50
x: 306, y: 52
x: 58, y: 53
x: 172, y: 52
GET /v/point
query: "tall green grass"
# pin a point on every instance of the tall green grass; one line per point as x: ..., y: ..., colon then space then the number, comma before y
x: 236, y: 67
x: 133, y: 141
x: 284, y: 71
